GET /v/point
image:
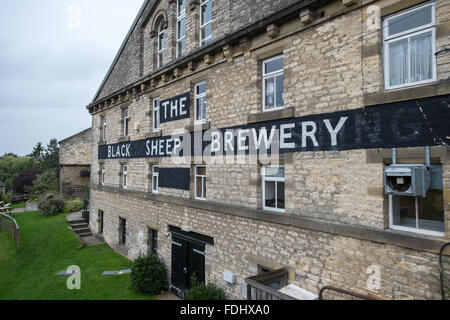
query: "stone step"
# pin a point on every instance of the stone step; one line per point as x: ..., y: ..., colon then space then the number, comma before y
x: 77, y: 221
x: 79, y: 226
x: 85, y: 234
x: 82, y: 230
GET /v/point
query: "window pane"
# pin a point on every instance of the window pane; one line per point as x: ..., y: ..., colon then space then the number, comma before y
x: 273, y: 65
x: 279, y: 91
x: 280, y: 196
x: 269, y: 194
x: 201, y: 108
x: 431, y: 211
x: 421, y: 57
x: 398, y: 62
x: 269, y: 85
x: 206, y: 15
x: 181, y: 28
x: 201, y: 171
x: 274, y: 172
x: 206, y: 33
x: 162, y: 39
x: 181, y: 7
x: 181, y: 47
x: 198, y: 193
x: 411, y: 20
x: 201, y: 88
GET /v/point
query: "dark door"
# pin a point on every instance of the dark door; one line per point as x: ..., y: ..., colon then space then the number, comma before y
x: 100, y: 222
x: 188, y: 259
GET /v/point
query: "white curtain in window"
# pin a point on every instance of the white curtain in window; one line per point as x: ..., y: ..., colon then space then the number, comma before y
x: 398, y: 62
x: 421, y: 57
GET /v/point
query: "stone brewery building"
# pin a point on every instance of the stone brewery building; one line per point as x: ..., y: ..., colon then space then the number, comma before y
x: 237, y: 138
x: 75, y: 163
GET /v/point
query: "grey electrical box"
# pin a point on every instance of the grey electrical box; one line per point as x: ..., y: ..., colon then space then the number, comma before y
x: 412, y: 180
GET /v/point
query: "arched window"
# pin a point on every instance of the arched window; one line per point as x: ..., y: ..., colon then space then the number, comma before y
x: 161, y: 43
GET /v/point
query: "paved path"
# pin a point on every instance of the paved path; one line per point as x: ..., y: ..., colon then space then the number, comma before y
x: 30, y: 206
x: 74, y: 216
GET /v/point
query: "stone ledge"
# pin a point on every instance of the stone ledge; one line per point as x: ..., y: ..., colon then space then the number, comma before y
x: 411, y: 93
x: 271, y: 115
x: 151, y: 135
x: 123, y: 139
x: 391, y: 237
x: 203, y: 126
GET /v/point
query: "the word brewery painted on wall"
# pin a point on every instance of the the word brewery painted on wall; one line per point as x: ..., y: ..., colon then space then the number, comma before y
x: 414, y: 123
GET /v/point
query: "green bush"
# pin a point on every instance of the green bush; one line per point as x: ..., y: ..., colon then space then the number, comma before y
x: 200, y: 291
x: 51, y: 205
x: 73, y: 206
x: 149, y: 275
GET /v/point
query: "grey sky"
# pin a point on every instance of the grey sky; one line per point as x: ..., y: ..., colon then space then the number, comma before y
x: 52, y: 63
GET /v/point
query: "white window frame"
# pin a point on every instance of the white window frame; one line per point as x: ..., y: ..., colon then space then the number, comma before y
x: 161, y: 51
x: 155, y: 189
x: 266, y: 76
x: 406, y: 35
x: 126, y: 118
x: 124, y: 176
x: 156, y: 114
x: 272, y: 179
x: 104, y: 124
x: 180, y: 18
x: 409, y: 229
x: 102, y: 174
x: 203, y: 177
x: 203, y: 26
x: 196, y: 97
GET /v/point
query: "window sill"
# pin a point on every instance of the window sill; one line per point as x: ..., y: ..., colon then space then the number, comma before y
x: 287, y: 112
x: 155, y: 134
x: 123, y: 139
x: 407, y: 93
x: 198, y: 126
x: 102, y: 143
x: 418, y: 231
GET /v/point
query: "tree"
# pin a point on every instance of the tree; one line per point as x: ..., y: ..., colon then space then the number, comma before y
x: 37, y: 153
x: 11, y: 166
x: 51, y: 156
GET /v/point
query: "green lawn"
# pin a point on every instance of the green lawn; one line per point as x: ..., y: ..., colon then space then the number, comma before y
x: 17, y: 205
x: 47, y: 247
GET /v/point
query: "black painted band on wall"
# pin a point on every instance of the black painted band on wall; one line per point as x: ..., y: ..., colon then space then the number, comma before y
x: 414, y: 123
x: 175, y: 178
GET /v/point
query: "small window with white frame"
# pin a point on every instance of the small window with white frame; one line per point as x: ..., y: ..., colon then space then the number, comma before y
x: 156, y: 114
x: 102, y: 174
x: 155, y: 178
x: 181, y: 27
x: 124, y: 176
x: 273, y: 83
x: 200, y: 182
x: 273, y: 188
x: 103, y: 135
x: 409, y: 47
x: 125, y: 122
x: 200, y: 102
x: 425, y: 215
x: 161, y: 43
x: 205, y: 21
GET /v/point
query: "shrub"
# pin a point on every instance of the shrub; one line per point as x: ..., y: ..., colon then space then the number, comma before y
x: 24, y: 181
x: 200, y: 291
x: 51, y: 205
x: 149, y: 275
x: 73, y: 206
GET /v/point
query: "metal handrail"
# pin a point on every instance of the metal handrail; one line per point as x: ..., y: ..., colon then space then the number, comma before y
x: 347, y: 292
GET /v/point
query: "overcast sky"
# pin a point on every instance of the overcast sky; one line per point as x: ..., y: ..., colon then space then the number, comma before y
x: 53, y: 57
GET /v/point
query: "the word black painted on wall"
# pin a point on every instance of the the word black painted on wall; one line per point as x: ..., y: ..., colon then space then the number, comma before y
x: 414, y: 123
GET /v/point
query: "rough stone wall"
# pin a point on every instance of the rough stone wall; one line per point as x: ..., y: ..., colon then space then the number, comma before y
x: 137, y: 57
x: 76, y: 149
x: 71, y: 175
x: 316, y: 258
